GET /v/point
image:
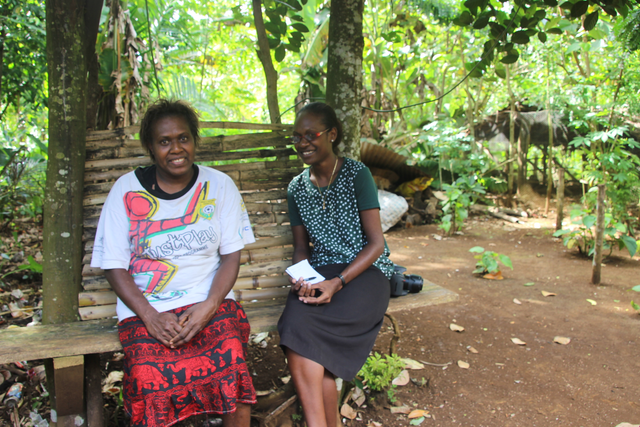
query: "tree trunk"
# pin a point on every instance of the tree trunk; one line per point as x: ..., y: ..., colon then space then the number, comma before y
x: 344, y: 71
x: 560, y: 199
x: 92, y: 24
x: 547, y: 202
x: 597, y: 252
x: 512, y: 134
x: 62, y: 245
x: 264, y: 54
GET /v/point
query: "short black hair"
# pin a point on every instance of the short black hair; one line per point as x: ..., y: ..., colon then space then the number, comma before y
x: 327, y: 116
x: 162, y: 108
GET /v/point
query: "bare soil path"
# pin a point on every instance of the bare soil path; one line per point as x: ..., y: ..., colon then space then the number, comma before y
x: 592, y: 381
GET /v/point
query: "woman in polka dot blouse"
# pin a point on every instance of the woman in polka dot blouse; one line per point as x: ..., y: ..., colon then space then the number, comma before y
x: 328, y: 329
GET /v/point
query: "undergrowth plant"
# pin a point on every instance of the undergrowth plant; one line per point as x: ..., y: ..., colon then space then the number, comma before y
x: 460, y: 196
x: 488, y: 261
x: 635, y: 305
x: 378, y: 371
x: 582, y: 234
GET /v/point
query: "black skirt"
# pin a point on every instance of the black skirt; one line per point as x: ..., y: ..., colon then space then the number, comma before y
x: 338, y: 335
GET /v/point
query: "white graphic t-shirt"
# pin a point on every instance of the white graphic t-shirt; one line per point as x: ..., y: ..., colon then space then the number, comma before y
x: 171, y: 245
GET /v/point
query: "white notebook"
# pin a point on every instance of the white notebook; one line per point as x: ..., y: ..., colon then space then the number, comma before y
x: 303, y: 269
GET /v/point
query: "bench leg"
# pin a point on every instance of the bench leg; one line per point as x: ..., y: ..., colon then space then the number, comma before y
x: 93, y: 384
x: 67, y: 387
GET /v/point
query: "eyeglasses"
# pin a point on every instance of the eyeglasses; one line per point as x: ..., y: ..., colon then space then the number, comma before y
x: 308, y: 136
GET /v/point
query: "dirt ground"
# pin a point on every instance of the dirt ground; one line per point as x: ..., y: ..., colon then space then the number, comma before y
x: 592, y: 381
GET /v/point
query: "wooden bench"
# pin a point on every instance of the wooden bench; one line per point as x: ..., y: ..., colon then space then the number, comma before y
x: 261, y: 163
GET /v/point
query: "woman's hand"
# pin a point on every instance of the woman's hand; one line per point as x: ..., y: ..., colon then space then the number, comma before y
x: 301, y: 287
x: 192, y: 321
x: 327, y: 290
x: 163, y: 326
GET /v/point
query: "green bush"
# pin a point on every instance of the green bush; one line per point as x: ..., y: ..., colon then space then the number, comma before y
x: 379, y: 371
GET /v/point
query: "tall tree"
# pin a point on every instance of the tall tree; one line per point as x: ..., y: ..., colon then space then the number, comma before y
x: 344, y: 70
x: 264, y: 54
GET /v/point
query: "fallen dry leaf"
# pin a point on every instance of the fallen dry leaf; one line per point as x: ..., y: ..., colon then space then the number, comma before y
x: 263, y: 392
x: 417, y: 413
x: 463, y: 365
x: 109, y: 383
x: 402, y: 379
x: 456, y: 328
x: 628, y: 425
x: 285, y: 380
x: 472, y: 350
x: 348, y: 412
x: 548, y: 294
x: 412, y: 364
x: 592, y: 302
x: 518, y: 341
x: 400, y: 410
x: 493, y: 276
x: 517, y: 301
x: 374, y: 424
x: 357, y: 395
x: 562, y: 340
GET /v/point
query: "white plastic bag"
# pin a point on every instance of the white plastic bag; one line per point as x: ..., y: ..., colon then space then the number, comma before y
x: 392, y: 207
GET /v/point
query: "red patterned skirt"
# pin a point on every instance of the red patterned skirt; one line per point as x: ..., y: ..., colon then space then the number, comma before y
x: 208, y: 375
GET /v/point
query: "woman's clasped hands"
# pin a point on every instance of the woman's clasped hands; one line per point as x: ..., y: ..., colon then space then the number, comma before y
x: 319, y: 293
x: 173, y: 331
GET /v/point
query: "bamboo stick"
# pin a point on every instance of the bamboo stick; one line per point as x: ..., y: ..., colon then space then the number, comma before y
x: 87, y: 270
x: 261, y: 196
x: 269, y: 242
x: 272, y: 231
x: 260, y: 294
x: 112, y: 174
x: 265, y: 254
x: 97, y: 312
x: 95, y: 283
x: 96, y: 298
x: 261, y: 282
x: 263, y: 269
x: 268, y: 218
x: 267, y: 207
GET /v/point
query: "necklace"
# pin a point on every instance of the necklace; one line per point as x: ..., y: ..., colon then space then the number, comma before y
x: 324, y: 205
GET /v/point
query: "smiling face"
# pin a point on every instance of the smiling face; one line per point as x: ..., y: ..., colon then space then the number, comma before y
x: 173, y: 149
x: 321, y: 146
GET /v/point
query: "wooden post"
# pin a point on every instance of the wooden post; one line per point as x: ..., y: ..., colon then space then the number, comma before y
x: 560, y: 199
x: 550, y: 164
x: 597, y: 253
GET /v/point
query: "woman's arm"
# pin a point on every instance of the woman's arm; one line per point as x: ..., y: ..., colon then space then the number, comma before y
x: 161, y: 326
x: 370, y: 219
x: 300, y: 252
x: 196, y: 317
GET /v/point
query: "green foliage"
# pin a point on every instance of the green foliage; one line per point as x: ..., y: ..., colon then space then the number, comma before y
x: 516, y: 24
x: 391, y: 394
x: 460, y: 196
x: 286, y: 26
x: 22, y: 174
x: 24, y: 71
x: 488, y: 260
x: 378, y: 371
x: 582, y: 235
x: 634, y: 304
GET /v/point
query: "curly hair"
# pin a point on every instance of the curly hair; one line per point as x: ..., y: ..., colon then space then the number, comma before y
x: 165, y: 108
x: 327, y: 116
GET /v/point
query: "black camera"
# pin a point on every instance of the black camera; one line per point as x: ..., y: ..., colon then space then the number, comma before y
x: 402, y: 284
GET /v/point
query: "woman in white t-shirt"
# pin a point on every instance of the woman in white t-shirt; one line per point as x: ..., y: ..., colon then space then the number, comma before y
x: 169, y: 241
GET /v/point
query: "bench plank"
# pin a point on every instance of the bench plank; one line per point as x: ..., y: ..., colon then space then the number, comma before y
x: 100, y: 336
